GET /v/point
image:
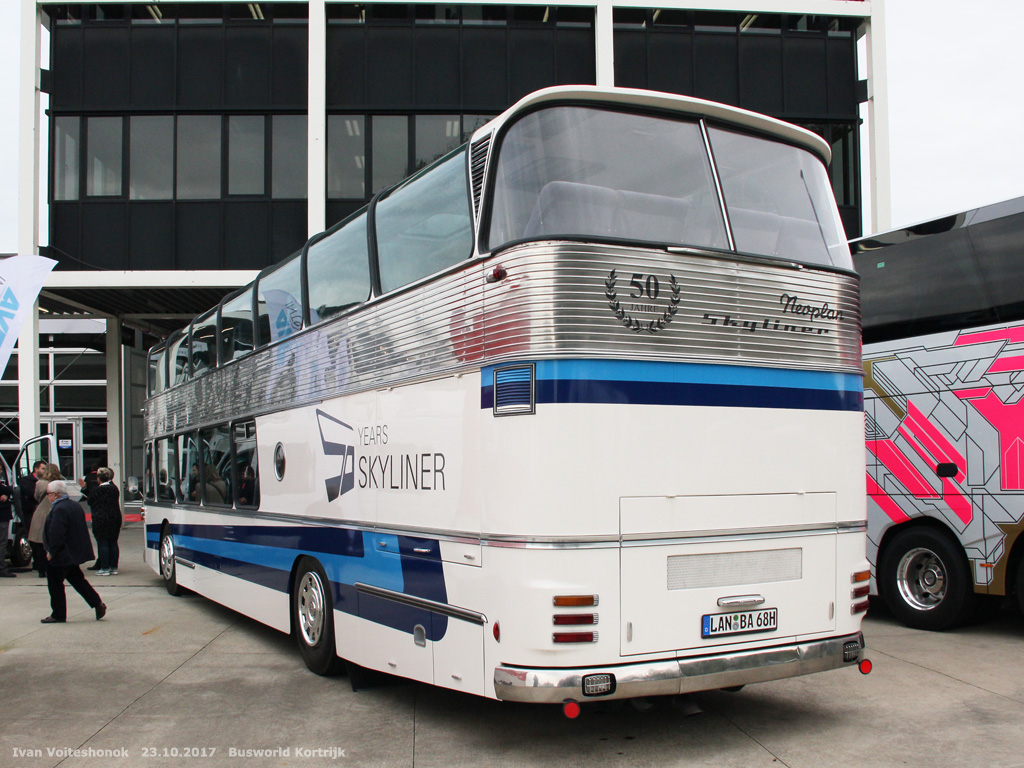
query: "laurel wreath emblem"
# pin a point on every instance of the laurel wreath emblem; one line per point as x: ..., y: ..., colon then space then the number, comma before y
x: 652, y: 326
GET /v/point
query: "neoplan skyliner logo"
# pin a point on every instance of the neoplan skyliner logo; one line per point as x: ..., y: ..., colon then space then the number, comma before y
x: 337, y: 438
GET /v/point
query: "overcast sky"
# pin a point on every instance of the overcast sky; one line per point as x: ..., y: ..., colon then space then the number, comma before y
x: 956, y: 111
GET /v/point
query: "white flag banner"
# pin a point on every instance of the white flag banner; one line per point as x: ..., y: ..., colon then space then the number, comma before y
x: 21, y: 279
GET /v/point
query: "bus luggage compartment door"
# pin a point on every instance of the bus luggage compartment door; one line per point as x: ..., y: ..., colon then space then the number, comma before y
x: 708, y: 571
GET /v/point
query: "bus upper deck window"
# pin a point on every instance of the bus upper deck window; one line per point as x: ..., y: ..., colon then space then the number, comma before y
x: 204, y: 343
x: 591, y: 173
x: 279, y: 306
x: 425, y: 225
x: 236, y: 327
x: 179, y: 368
x: 339, y: 270
x: 779, y: 200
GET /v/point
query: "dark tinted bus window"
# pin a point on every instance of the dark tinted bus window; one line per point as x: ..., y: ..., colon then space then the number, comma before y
x: 246, y: 466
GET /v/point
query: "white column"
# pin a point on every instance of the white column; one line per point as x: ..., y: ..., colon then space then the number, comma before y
x: 317, y: 118
x: 28, y: 211
x: 115, y: 406
x: 604, y: 40
x: 880, y: 177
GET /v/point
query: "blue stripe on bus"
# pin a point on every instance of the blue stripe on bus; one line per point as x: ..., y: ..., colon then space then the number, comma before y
x: 264, y: 555
x: 631, y: 382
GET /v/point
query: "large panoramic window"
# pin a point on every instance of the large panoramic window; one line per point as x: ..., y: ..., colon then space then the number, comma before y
x: 103, y: 156
x: 199, y: 148
x: 151, y: 158
x: 338, y: 270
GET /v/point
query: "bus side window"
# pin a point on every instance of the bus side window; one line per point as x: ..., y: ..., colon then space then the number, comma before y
x: 339, y: 271
x: 216, y: 443
x: 245, y: 467
x: 166, y: 470
x: 148, y: 484
x: 236, y: 327
x: 279, y: 306
x: 425, y: 225
x: 157, y: 379
x: 204, y: 343
x: 189, y: 488
x: 177, y: 352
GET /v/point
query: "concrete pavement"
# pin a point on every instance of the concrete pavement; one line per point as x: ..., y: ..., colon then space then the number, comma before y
x: 182, y: 681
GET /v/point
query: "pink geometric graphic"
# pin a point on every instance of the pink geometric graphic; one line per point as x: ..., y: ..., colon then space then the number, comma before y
x: 1008, y: 421
x: 884, y: 500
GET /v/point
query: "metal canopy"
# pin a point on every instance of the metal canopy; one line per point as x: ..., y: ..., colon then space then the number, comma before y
x: 155, y: 302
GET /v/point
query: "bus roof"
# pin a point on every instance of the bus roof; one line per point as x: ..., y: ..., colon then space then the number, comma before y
x: 664, y: 101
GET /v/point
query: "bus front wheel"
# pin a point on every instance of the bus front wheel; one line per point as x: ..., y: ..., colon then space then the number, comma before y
x: 168, y: 566
x: 925, y: 580
x: 313, y: 618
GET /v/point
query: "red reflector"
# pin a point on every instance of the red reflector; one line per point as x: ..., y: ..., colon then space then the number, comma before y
x: 574, y: 637
x: 564, y: 619
x: 859, y: 607
x: 571, y: 709
x: 575, y: 601
x: 865, y: 666
x: 860, y: 592
x: 497, y: 632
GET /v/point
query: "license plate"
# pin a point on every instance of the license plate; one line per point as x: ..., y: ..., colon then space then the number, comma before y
x: 739, y: 623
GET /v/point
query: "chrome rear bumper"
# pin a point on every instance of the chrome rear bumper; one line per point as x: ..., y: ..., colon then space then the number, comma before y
x: 683, y: 675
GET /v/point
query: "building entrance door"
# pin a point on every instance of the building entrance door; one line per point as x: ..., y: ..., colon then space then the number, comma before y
x: 68, y: 431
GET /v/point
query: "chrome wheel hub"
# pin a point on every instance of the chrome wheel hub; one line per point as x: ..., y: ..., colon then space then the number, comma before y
x: 167, y: 557
x: 921, y: 579
x: 310, y: 602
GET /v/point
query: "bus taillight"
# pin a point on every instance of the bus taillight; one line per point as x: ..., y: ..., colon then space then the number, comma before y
x: 574, y: 637
x: 575, y: 601
x: 566, y: 619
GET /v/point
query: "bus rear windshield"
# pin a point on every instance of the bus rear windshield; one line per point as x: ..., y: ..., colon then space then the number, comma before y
x: 583, y: 172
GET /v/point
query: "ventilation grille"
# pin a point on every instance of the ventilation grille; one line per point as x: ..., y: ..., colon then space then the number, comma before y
x: 478, y: 162
x: 513, y: 390
x: 733, y: 569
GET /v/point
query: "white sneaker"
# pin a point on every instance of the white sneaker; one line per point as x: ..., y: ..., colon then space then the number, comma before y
x: 113, y: 572
x: 103, y: 572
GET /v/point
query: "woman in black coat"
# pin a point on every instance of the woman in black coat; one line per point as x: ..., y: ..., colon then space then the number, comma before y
x: 105, y: 504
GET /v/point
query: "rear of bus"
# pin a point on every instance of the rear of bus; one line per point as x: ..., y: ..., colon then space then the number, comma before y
x: 671, y: 409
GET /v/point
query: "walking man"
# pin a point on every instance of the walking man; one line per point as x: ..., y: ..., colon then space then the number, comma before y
x: 66, y: 538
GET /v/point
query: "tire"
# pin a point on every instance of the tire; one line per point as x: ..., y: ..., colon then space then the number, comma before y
x: 313, y: 619
x: 21, y: 549
x: 1020, y: 584
x: 925, y: 580
x: 168, y: 566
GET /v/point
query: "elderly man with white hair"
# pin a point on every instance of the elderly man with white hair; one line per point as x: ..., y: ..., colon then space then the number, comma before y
x: 67, y: 542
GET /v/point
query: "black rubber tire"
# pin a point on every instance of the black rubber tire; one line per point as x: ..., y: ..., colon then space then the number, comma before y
x: 1020, y: 584
x: 935, y: 591
x: 313, y: 619
x: 168, y: 566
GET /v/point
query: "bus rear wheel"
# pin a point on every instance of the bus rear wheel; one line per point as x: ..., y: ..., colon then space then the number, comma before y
x: 168, y: 566
x: 313, y: 618
x: 925, y: 580
x: 21, y: 549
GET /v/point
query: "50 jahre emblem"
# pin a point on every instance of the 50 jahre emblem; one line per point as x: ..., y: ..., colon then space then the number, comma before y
x: 643, y: 302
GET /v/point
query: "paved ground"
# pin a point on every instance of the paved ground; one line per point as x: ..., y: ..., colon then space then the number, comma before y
x: 162, y: 679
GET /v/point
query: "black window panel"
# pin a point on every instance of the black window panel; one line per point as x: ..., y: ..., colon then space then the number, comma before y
x: 806, y: 83
x: 670, y: 56
x: 630, y: 59
x: 151, y: 235
x: 152, y: 67
x: 105, y: 67
x: 575, y: 57
x: 246, y: 235
x: 197, y: 229
x: 288, y: 228
x: 761, y: 73
x: 338, y: 210
x: 484, y: 70
x: 389, y: 67
x: 346, y: 67
x: 850, y: 215
x: 104, y: 235
x: 842, y: 78
x: 200, y: 67
x: 715, y: 72
x: 290, y: 77
x: 64, y: 233
x: 66, y: 87
x: 531, y: 61
x: 436, y: 68
x: 247, y: 79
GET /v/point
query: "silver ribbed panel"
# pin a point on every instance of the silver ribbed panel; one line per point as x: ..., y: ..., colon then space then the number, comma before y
x: 553, y: 303
x: 477, y: 165
x: 734, y: 569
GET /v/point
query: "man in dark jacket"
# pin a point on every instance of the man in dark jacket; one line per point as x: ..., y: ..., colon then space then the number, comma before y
x: 67, y: 542
x: 27, y: 488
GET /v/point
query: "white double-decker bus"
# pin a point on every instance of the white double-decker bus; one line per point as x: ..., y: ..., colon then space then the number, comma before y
x: 573, y: 413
